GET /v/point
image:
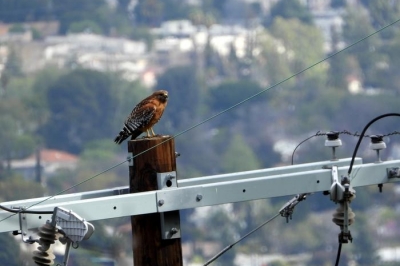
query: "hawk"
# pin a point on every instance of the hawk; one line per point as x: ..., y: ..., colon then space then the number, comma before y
x: 144, y: 116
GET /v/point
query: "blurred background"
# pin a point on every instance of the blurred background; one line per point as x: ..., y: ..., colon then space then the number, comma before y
x: 71, y: 71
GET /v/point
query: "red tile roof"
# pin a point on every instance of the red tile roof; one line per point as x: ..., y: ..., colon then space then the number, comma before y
x: 55, y: 156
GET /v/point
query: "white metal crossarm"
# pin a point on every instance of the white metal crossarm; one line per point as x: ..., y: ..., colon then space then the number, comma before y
x: 204, y: 191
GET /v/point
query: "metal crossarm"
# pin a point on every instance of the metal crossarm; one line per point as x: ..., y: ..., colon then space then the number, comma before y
x: 205, y: 191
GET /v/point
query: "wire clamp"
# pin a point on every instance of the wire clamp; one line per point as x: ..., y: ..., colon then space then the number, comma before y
x: 288, y: 209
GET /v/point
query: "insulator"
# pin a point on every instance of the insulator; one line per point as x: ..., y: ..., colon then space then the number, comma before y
x: 377, y: 142
x: 43, y: 256
x: 333, y: 139
x: 338, y: 216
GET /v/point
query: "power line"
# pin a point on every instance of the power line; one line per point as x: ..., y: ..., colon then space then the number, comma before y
x: 218, y: 114
x: 240, y: 239
x: 345, y: 132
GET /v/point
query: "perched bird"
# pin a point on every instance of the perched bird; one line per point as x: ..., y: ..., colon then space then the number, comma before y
x: 144, y: 116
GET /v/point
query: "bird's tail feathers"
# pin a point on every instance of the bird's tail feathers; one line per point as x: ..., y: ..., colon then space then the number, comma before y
x: 121, y: 137
x: 124, y: 134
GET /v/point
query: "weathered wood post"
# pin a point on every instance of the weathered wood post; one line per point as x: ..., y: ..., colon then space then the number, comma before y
x: 149, y: 249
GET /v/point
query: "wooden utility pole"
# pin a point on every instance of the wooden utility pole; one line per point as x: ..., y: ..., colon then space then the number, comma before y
x: 149, y: 249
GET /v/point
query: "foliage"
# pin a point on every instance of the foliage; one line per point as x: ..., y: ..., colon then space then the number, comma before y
x: 23, y: 10
x: 183, y: 86
x: 149, y: 12
x: 82, y: 110
x: 80, y: 104
x: 383, y: 13
x: 12, y: 69
x: 75, y: 10
x: 230, y: 93
x: 10, y: 252
x: 127, y: 95
x: 301, y: 42
x: 239, y: 157
x: 15, y: 187
x: 388, y: 77
x: 357, y: 26
x: 85, y: 26
x: 17, y: 138
x: 291, y: 9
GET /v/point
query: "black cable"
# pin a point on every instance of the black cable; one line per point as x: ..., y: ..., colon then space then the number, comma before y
x: 310, y: 137
x: 338, y: 254
x: 362, y: 135
x: 25, y: 211
x: 226, y: 110
x: 240, y: 239
x: 354, y: 156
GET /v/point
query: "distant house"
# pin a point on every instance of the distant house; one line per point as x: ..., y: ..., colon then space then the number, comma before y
x: 50, y: 161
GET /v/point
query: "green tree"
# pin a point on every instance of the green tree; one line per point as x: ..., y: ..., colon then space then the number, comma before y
x: 239, y: 156
x: 15, y: 187
x: 149, y: 12
x: 230, y: 93
x: 383, y: 13
x: 357, y: 26
x: 24, y: 10
x: 184, y: 100
x: 302, y: 43
x: 85, y: 26
x: 274, y: 60
x: 81, y: 105
x: 12, y: 69
x: 290, y: 9
x: 10, y: 253
x: 75, y: 10
x: 127, y: 95
x: 339, y: 68
x: 388, y: 77
x: 17, y: 138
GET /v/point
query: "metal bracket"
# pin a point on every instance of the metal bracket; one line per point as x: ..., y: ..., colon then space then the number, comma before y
x: 170, y: 221
x: 337, y: 189
x: 167, y: 180
x: 23, y: 225
x: 170, y: 225
x: 130, y: 159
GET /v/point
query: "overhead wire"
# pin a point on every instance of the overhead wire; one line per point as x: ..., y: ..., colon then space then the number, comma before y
x: 219, y: 113
x: 240, y: 239
x: 345, y: 132
x: 362, y: 135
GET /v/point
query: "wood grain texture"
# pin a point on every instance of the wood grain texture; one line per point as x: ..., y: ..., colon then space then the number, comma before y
x: 148, y: 247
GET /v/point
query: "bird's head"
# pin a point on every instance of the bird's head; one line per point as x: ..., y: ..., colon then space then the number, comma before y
x: 162, y: 95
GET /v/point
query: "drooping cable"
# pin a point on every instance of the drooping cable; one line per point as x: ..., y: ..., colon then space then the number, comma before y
x: 338, y: 254
x: 310, y: 137
x: 243, y: 101
x: 222, y: 112
x: 346, y: 132
x: 362, y: 135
